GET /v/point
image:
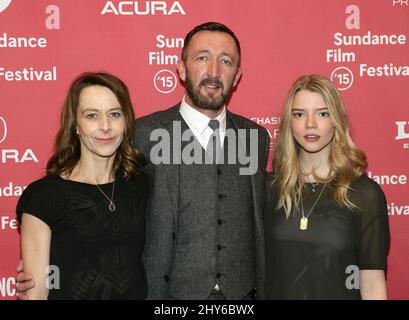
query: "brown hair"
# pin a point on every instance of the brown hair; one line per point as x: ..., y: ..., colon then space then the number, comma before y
x: 67, y: 150
x: 213, y: 27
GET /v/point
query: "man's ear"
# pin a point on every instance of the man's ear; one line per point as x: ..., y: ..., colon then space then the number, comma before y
x: 181, y: 70
x: 237, y: 77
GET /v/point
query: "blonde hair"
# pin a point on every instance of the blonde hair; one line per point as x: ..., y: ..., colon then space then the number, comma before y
x: 346, y: 161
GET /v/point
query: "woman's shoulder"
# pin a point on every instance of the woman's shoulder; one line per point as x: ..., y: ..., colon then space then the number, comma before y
x: 46, y: 184
x: 367, y: 189
x: 363, y: 182
x: 138, y: 181
x: 39, y: 198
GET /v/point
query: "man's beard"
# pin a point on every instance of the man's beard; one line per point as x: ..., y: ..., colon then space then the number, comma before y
x: 209, y: 102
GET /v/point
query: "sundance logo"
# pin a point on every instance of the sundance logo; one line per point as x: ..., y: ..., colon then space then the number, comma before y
x: 143, y: 8
x: 7, y: 287
x: 393, y: 179
x: 4, y: 4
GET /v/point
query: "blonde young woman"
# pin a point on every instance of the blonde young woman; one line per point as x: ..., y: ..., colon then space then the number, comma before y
x: 326, y: 222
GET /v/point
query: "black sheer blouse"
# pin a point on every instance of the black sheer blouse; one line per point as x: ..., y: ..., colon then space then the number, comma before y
x: 323, y: 262
x: 98, y: 252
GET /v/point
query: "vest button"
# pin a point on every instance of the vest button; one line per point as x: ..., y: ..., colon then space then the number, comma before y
x: 219, y: 275
x: 219, y: 221
x: 220, y: 196
x: 166, y: 278
x: 219, y: 247
x: 219, y: 172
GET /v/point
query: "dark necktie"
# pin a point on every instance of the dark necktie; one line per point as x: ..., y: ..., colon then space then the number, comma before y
x: 214, y: 145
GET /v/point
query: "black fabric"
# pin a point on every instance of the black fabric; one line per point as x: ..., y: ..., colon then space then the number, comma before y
x: 312, y: 264
x: 98, y: 253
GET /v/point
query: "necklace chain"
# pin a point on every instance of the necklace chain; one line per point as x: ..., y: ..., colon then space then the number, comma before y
x: 314, y: 185
x: 304, y: 218
x: 111, y: 206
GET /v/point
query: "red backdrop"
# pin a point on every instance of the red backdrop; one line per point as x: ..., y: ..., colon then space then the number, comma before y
x: 361, y: 45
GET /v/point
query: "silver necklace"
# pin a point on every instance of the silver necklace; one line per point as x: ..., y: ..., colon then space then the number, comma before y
x: 313, y: 186
x: 304, y: 218
x: 111, y: 206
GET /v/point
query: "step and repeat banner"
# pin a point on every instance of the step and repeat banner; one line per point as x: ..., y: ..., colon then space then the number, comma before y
x: 362, y: 45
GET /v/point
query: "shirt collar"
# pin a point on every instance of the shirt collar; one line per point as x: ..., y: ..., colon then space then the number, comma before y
x: 199, y: 120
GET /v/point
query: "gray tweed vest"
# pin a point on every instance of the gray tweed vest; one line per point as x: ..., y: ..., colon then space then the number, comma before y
x: 215, y: 232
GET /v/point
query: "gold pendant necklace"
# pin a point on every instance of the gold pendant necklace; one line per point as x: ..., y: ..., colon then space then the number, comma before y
x: 304, y: 218
x: 303, y: 223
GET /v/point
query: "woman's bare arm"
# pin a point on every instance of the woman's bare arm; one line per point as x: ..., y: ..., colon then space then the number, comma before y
x: 35, y: 247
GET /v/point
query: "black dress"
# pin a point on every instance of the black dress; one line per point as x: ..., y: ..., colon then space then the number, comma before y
x: 98, y: 252
x: 323, y: 262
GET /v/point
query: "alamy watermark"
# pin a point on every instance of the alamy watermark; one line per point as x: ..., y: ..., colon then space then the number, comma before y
x: 352, y: 281
x: 53, y: 280
x: 242, y: 148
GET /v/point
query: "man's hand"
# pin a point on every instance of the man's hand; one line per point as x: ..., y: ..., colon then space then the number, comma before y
x: 24, y: 282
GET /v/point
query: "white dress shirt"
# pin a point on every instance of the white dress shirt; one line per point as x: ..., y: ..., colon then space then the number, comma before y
x: 198, y: 123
